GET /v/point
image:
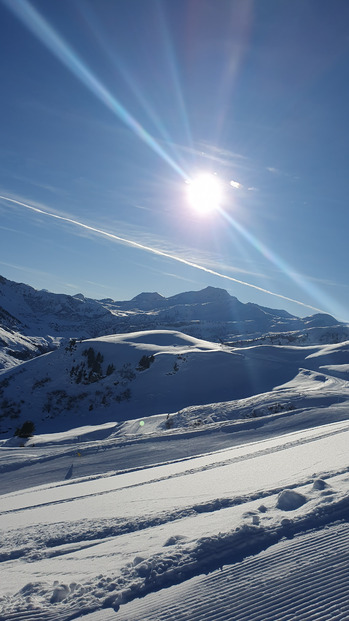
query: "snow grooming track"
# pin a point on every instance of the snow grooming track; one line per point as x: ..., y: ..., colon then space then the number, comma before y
x: 305, y: 579
x: 36, y: 545
x: 185, y: 562
x: 159, y: 531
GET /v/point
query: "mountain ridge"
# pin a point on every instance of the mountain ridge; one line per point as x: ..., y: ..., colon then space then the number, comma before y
x: 34, y: 321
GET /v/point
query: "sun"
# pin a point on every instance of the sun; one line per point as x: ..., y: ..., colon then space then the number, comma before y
x: 204, y: 193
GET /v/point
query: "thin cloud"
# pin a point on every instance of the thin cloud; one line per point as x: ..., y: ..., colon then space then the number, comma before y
x: 24, y: 268
x: 218, y: 264
x: 280, y: 173
x: 171, y: 275
x: 43, y: 186
x: 221, y: 152
x: 212, y: 153
x: 155, y: 251
x: 142, y: 207
x: 97, y: 284
x: 325, y: 282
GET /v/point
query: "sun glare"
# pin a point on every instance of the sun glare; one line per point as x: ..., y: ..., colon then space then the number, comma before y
x: 204, y: 193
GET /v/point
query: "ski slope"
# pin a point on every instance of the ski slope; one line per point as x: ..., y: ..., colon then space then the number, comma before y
x: 248, y: 524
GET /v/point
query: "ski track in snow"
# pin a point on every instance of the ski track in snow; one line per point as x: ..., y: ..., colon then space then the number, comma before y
x: 149, y: 543
x: 201, y: 468
x: 305, y: 578
x: 322, y: 566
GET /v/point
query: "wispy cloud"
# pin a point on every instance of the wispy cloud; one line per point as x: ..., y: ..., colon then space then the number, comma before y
x: 139, y: 206
x: 152, y: 250
x: 25, y: 268
x: 218, y: 155
x: 10, y: 230
x: 38, y: 184
x: 166, y: 273
x: 221, y: 152
x: 172, y: 275
x: 97, y: 284
x: 280, y: 173
x: 325, y: 282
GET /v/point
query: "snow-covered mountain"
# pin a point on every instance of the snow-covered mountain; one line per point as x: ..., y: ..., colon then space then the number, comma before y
x: 133, y: 375
x: 166, y: 468
x: 33, y: 322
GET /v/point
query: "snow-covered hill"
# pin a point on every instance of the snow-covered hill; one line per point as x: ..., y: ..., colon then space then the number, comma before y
x: 134, y: 375
x: 33, y: 322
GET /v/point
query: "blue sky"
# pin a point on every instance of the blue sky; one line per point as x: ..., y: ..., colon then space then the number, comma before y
x: 108, y: 108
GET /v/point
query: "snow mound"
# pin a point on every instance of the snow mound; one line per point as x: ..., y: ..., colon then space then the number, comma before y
x: 288, y: 500
x: 319, y: 484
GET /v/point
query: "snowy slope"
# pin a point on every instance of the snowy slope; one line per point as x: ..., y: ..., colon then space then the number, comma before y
x: 211, y: 482
x: 41, y: 312
x: 250, y: 531
x: 129, y: 376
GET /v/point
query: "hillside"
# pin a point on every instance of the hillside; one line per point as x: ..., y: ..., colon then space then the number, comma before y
x: 34, y: 322
x: 134, y: 375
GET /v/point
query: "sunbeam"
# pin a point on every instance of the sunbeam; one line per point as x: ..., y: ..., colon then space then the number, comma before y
x: 91, y: 18
x: 174, y: 70
x: 277, y: 261
x: 156, y: 251
x: 34, y: 21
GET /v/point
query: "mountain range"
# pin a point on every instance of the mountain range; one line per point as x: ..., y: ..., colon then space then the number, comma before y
x: 33, y: 322
x: 70, y: 361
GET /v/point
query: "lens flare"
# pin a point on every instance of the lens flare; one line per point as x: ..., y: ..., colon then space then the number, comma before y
x: 307, y: 286
x: 35, y: 22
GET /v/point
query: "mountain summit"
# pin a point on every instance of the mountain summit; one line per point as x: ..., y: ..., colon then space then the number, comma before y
x: 33, y: 322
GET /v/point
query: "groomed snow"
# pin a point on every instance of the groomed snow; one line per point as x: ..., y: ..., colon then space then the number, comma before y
x: 76, y: 546
x: 234, y: 509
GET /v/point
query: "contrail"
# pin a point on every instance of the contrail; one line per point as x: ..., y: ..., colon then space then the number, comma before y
x: 160, y: 253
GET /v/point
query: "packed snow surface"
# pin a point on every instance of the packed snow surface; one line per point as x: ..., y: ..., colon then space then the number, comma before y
x: 175, y: 530
x: 217, y: 487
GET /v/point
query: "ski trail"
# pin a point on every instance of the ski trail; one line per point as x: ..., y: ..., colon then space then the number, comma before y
x: 302, y: 579
x: 216, y: 463
x: 180, y: 564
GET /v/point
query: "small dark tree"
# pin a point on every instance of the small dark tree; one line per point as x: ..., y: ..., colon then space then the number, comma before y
x: 94, y: 362
x: 145, y: 362
x: 96, y: 367
x: 71, y: 346
x: 110, y: 369
x: 26, y: 431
